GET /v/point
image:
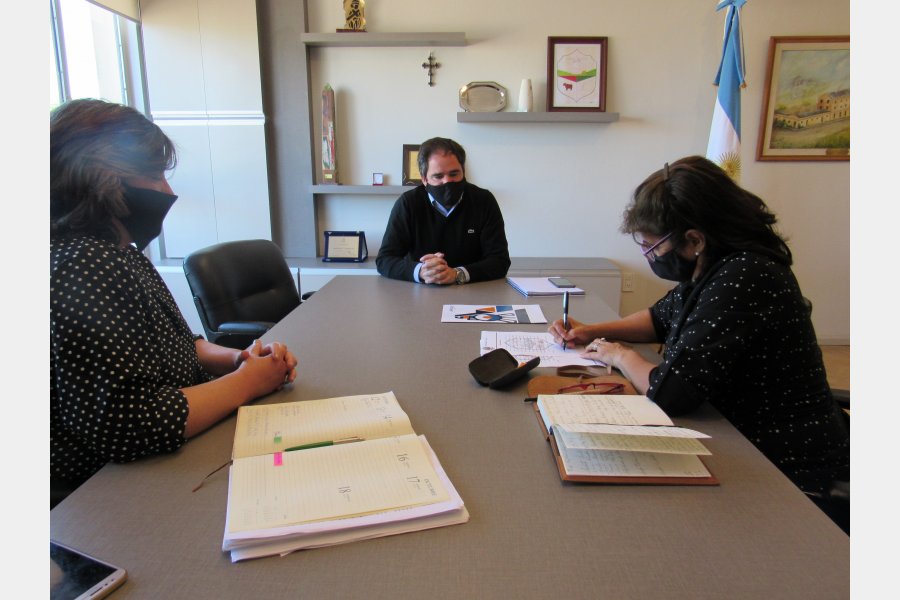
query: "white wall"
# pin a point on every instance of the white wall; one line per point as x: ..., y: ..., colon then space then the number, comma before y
x: 562, y: 187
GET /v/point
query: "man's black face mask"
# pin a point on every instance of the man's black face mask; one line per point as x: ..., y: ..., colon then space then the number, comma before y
x: 447, y: 194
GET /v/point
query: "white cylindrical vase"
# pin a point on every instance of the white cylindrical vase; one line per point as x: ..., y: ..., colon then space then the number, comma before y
x: 525, y: 96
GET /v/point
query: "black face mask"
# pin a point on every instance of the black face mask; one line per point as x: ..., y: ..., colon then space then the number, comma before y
x: 447, y: 194
x: 147, y: 209
x: 673, y: 266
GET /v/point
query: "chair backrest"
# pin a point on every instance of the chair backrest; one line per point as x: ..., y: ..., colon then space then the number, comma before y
x: 246, y: 280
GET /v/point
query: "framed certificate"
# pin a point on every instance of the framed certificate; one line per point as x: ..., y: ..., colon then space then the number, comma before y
x: 345, y: 246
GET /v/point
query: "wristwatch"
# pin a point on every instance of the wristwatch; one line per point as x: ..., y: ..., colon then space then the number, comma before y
x: 460, y: 276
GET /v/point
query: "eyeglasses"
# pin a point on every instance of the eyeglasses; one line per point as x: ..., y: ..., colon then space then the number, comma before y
x: 648, y: 250
x: 602, y: 387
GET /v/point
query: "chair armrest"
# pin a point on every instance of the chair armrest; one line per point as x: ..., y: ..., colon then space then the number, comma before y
x: 252, y: 328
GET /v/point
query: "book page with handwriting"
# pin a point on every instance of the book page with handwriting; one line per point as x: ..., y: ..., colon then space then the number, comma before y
x: 633, y: 464
x: 606, y: 409
x: 268, y: 428
x: 346, y: 480
x: 628, y: 443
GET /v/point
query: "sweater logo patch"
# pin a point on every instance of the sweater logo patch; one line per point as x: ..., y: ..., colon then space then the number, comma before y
x: 471, y: 231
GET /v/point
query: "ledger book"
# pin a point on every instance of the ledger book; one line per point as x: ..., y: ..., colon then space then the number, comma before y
x: 322, y: 472
x: 620, y: 439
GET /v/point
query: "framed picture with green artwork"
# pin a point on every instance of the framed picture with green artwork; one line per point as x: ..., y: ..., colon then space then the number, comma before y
x: 806, y: 108
x: 576, y: 74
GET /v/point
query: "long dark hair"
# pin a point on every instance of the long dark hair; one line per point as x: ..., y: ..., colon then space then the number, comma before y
x: 94, y: 145
x: 695, y: 193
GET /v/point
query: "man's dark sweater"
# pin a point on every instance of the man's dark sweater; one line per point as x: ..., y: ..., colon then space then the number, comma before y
x: 472, y: 236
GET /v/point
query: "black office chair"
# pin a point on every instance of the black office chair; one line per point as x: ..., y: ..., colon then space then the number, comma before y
x: 241, y: 289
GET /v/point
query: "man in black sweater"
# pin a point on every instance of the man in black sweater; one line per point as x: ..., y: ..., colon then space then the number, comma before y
x: 446, y: 230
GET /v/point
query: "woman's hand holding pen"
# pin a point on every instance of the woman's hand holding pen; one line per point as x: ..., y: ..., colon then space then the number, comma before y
x: 577, y: 334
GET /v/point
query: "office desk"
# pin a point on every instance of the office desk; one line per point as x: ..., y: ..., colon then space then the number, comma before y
x: 530, y: 535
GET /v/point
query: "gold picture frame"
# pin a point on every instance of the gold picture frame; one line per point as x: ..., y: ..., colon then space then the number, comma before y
x: 806, y: 108
x: 411, y: 174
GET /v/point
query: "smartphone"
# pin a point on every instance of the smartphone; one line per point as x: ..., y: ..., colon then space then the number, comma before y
x: 561, y: 282
x: 76, y: 576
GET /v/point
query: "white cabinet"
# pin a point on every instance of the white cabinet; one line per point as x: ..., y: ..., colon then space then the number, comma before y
x: 203, y: 78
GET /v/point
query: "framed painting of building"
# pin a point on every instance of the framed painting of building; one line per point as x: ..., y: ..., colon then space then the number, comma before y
x: 806, y: 108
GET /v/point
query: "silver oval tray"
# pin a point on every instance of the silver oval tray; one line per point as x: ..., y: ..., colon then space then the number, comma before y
x: 482, y: 96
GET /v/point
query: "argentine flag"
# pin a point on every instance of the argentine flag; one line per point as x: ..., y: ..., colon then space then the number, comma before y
x: 725, y: 133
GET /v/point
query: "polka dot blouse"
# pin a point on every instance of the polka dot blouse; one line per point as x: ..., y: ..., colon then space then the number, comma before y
x: 741, y: 338
x: 119, y: 352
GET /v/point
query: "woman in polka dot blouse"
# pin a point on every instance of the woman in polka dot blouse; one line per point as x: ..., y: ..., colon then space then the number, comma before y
x: 736, y: 328
x: 127, y: 376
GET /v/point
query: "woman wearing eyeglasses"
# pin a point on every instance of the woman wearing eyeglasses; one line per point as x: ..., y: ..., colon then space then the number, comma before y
x: 736, y: 329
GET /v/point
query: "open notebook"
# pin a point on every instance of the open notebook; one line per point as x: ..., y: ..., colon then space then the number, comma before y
x: 620, y: 439
x: 291, y: 487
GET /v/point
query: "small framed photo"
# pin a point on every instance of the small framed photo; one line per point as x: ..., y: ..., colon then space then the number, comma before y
x: 345, y: 246
x: 806, y: 109
x: 576, y: 74
x: 377, y: 178
x: 411, y: 164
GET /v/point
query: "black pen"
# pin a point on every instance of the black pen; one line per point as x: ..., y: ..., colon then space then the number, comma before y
x: 565, y: 315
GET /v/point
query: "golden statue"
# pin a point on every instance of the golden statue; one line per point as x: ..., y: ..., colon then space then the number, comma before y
x: 355, y: 14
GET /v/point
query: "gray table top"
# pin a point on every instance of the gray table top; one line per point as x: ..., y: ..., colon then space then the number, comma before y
x: 530, y: 534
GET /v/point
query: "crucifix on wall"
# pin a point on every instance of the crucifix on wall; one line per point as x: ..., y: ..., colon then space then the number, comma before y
x: 431, y: 65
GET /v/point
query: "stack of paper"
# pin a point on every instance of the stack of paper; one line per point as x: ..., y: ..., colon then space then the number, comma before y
x: 540, y: 286
x: 292, y: 487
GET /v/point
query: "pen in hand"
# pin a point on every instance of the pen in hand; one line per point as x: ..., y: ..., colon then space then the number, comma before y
x: 565, y: 315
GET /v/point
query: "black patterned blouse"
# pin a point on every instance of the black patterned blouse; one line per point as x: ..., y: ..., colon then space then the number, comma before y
x: 741, y: 338
x: 119, y: 352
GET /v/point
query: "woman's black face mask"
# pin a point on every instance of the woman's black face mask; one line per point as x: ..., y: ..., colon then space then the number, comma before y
x: 147, y: 210
x: 673, y: 266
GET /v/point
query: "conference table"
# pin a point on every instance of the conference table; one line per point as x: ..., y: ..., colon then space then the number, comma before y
x: 530, y: 535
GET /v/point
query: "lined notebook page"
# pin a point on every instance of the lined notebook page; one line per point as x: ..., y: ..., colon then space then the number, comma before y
x: 628, y: 443
x: 331, y: 482
x: 268, y: 428
x: 610, y: 409
x: 636, y: 464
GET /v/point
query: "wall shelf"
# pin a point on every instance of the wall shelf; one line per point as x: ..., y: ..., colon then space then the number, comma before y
x: 351, y: 39
x: 369, y: 190
x: 536, y: 117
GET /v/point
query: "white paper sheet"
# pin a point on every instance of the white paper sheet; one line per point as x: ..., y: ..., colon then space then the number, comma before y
x: 634, y: 464
x: 326, y: 483
x: 628, y: 443
x: 268, y: 428
x: 525, y: 345
x: 602, y: 409
x: 540, y: 286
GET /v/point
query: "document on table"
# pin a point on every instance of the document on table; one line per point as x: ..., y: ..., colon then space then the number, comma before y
x: 499, y: 313
x: 525, y: 345
x: 540, y: 286
x: 337, y: 481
